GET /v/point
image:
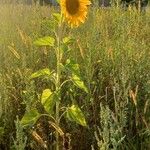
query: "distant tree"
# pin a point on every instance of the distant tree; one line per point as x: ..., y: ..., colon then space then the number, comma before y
x: 46, y: 2
x: 104, y: 3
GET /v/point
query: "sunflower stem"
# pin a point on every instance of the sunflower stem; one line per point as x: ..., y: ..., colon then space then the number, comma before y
x: 58, y: 75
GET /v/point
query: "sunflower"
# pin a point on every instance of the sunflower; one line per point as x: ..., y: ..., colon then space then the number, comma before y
x: 74, y: 11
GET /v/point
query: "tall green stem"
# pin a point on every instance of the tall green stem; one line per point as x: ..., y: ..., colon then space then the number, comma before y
x: 58, y: 74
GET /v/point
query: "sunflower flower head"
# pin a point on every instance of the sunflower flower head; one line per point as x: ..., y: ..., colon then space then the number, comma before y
x: 74, y: 11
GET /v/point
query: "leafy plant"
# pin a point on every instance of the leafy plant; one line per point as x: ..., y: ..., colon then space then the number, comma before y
x: 21, y: 139
x: 51, y: 99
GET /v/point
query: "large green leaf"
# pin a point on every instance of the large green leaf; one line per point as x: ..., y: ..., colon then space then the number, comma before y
x: 45, y: 41
x: 48, y: 100
x: 79, y: 83
x: 76, y: 76
x: 30, y: 118
x: 45, y: 95
x: 74, y: 113
x: 42, y: 72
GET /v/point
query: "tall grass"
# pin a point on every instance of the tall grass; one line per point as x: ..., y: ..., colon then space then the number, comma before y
x: 112, y: 49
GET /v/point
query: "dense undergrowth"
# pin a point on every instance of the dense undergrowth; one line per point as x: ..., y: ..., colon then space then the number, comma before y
x: 112, y: 50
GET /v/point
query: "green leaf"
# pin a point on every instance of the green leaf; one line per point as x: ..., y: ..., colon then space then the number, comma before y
x: 30, y: 118
x: 79, y: 83
x: 45, y: 95
x: 65, y: 44
x: 68, y: 40
x: 74, y: 113
x: 72, y: 66
x: 57, y: 16
x: 48, y: 100
x: 45, y: 41
x: 75, y: 71
x: 42, y: 72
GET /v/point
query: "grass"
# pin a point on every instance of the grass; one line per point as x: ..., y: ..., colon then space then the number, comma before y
x: 112, y: 49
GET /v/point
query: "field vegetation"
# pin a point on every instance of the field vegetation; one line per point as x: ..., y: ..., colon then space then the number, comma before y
x: 107, y: 104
